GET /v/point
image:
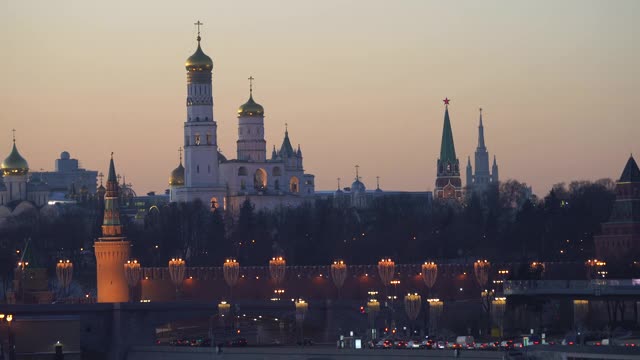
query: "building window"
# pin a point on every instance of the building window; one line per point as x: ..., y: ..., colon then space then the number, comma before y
x: 208, y: 138
x: 260, y: 180
x: 197, y: 139
x: 242, y: 171
x: 198, y: 169
x: 294, y: 185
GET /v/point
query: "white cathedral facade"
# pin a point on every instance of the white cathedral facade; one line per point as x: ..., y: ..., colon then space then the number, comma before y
x: 210, y: 177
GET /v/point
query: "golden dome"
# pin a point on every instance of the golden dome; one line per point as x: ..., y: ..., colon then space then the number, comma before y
x: 251, y: 108
x: 14, y: 164
x: 177, y: 176
x: 199, y: 61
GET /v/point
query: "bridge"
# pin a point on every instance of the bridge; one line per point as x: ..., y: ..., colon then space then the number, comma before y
x: 624, y: 288
x: 110, y: 330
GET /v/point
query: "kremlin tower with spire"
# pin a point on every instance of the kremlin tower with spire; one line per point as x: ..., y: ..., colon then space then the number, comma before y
x: 448, y: 182
x: 112, y: 249
x: 619, y: 242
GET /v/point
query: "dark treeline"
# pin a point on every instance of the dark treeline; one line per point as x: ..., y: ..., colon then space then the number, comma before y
x: 504, y: 223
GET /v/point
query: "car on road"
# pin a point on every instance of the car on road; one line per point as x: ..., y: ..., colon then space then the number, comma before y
x: 399, y: 344
x: 428, y: 344
x: 383, y: 344
x: 238, y: 342
x: 441, y: 344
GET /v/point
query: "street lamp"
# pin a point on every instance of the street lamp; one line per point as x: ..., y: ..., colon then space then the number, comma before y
x: 301, y: 310
x: 435, y: 310
x: 133, y: 274
x: 277, y: 267
x: 595, y: 269
x: 498, y: 306
x: 231, y: 270
x: 64, y: 273
x: 373, y: 307
x: 338, y: 273
x: 412, y: 305
x: 176, y: 272
x: 537, y: 269
x: 481, y: 269
x: 21, y: 266
x: 429, y: 274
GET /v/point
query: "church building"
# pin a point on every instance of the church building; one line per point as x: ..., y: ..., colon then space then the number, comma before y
x: 16, y: 185
x: 209, y: 176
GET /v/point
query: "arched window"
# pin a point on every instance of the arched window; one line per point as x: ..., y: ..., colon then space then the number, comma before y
x: 196, y: 139
x: 276, y: 171
x: 214, y: 203
x: 242, y: 171
x: 260, y: 180
x: 294, y: 185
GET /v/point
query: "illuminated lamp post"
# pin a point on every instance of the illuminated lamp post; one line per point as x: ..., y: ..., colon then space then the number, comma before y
x: 11, y: 340
x: 429, y: 274
x: 22, y: 276
x: 386, y: 270
x: 481, y: 270
x: 176, y: 272
x: 595, y: 269
x: 223, y: 311
x: 498, y: 306
x: 231, y: 270
x: 301, y: 310
x: 64, y: 273
x: 412, y: 304
x: 133, y: 274
x: 277, y: 267
x: 373, y: 307
x: 338, y: 274
x: 537, y: 269
x: 435, y: 310
x: 580, y: 312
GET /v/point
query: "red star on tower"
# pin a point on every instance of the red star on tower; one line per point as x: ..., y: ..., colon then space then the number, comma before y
x: 446, y: 101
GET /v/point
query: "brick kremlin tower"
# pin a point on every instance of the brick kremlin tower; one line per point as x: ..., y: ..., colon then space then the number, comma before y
x: 112, y: 249
x: 619, y: 243
x: 448, y: 182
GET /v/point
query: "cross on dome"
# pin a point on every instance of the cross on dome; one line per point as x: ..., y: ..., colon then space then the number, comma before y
x: 198, y: 23
x: 251, y: 78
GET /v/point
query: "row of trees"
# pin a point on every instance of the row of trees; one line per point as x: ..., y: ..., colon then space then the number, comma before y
x: 504, y: 223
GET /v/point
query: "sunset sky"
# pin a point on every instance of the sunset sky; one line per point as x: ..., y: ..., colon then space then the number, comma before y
x: 358, y: 82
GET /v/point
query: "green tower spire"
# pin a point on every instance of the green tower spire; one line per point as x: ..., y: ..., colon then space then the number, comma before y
x: 447, y: 149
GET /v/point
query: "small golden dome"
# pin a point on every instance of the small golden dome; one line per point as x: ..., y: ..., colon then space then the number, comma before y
x: 14, y: 164
x: 199, y: 61
x: 251, y: 108
x: 177, y: 176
